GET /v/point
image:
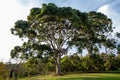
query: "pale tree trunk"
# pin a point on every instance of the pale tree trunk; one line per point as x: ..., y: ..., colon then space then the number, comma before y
x: 90, y: 51
x: 58, y: 66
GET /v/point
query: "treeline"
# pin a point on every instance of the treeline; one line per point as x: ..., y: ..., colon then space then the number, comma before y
x: 96, y: 63
x: 71, y: 63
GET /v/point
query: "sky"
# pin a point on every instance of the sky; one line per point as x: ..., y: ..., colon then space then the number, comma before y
x: 13, y: 10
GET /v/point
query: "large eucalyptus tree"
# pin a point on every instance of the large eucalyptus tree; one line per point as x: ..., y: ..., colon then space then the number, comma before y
x: 96, y: 29
x: 48, y: 30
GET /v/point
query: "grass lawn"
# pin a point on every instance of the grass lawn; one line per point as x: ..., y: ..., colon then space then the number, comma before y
x: 81, y: 76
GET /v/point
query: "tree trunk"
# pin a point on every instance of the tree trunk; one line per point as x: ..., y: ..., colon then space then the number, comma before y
x: 58, y: 67
x: 90, y: 51
x: 90, y: 48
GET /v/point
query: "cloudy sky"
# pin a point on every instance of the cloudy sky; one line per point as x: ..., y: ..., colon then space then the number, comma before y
x: 13, y: 10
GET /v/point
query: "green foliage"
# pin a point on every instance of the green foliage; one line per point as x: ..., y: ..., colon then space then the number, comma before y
x: 20, y: 28
x: 103, y: 62
x: 95, y: 63
x: 93, y: 31
x: 3, y: 71
x: 66, y: 64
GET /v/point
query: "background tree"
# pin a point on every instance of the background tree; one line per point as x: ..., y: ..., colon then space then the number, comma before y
x: 95, y: 29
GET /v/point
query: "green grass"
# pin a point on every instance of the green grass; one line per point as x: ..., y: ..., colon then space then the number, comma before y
x: 81, y: 76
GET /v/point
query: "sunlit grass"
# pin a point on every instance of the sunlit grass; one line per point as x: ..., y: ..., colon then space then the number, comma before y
x: 85, y: 76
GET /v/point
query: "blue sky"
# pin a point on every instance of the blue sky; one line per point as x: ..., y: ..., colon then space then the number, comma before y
x: 83, y: 5
x: 13, y: 10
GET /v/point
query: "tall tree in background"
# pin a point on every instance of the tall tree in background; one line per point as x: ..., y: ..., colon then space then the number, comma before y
x: 48, y: 30
x: 95, y: 31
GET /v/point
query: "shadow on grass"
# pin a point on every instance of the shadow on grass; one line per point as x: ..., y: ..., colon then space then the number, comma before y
x: 95, y: 78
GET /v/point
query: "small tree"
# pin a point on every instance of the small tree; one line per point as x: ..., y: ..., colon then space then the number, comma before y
x: 3, y: 71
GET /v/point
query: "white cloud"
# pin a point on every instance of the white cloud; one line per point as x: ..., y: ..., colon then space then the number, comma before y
x: 104, y: 9
x: 110, y: 11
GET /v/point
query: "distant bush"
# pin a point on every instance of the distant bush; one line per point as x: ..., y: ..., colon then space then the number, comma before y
x: 3, y: 71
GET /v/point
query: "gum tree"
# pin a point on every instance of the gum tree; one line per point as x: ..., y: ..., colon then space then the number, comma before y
x: 48, y: 30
